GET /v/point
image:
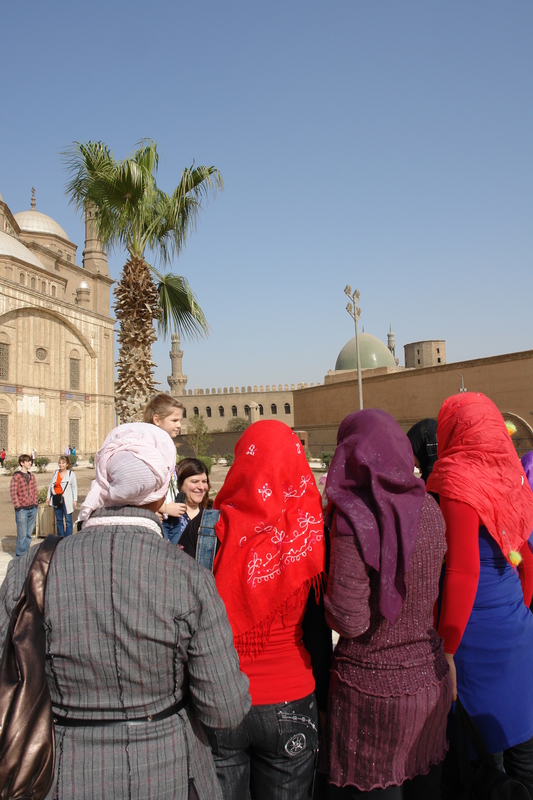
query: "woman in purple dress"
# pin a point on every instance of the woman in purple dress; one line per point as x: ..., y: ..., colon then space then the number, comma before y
x: 390, y: 690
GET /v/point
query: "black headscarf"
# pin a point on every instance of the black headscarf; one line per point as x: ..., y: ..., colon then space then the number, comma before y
x: 423, y: 438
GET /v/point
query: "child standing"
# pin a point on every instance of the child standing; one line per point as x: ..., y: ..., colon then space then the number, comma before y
x: 166, y: 412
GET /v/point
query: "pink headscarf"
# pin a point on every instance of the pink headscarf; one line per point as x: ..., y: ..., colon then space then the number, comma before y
x: 133, y: 467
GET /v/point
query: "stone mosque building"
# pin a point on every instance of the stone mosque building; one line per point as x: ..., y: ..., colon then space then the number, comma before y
x: 56, y: 337
x: 57, y: 360
x: 218, y: 405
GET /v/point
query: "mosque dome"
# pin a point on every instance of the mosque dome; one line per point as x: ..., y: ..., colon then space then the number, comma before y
x: 9, y: 246
x: 83, y: 285
x: 33, y: 221
x: 373, y: 352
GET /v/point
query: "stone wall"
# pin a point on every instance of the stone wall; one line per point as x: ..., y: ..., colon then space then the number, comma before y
x: 411, y: 395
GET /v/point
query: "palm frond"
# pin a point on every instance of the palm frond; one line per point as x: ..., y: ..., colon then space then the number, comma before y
x: 179, y: 309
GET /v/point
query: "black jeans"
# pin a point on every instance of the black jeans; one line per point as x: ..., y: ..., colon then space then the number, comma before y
x: 271, y: 755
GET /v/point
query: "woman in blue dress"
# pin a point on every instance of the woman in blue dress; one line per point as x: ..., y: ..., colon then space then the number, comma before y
x: 485, y: 620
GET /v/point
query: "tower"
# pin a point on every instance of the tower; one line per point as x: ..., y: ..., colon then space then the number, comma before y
x: 177, y: 381
x: 94, y: 257
x: 391, y: 342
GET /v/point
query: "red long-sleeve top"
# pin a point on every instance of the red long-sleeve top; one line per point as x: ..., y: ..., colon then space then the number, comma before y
x: 462, y: 570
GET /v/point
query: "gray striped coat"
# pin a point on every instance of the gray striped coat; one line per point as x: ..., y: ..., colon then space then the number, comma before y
x: 125, y: 613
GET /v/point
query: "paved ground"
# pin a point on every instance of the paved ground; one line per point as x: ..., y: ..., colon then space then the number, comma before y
x: 84, y: 475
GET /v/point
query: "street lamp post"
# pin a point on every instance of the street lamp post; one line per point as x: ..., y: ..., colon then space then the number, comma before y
x: 355, y: 312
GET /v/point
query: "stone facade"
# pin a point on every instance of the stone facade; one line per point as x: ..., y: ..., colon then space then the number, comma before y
x: 413, y: 394
x: 56, y: 338
x: 218, y: 406
x: 429, y: 353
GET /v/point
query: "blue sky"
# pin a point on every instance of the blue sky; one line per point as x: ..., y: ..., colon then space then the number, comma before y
x: 384, y: 144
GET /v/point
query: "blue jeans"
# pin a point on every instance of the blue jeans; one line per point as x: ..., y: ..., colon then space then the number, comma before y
x: 271, y: 755
x: 173, y: 528
x: 67, y: 530
x: 25, y: 519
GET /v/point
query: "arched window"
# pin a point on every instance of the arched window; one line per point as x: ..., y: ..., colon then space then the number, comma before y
x: 208, y: 411
x: 234, y: 411
x: 22, y: 279
x: 261, y: 412
x: 273, y: 409
x: 43, y: 287
x: 184, y: 415
x: 247, y: 410
x: 287, y: 408
x: 32, y: 283
x: 221, y: 411
x: 195, y: 411
x: 53, y: 291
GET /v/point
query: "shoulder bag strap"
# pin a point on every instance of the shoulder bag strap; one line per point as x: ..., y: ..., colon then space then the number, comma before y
x: 206, y: 545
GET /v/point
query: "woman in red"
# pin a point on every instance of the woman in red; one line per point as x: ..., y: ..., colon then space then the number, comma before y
x: 486, y: 626
x: 271, y: 555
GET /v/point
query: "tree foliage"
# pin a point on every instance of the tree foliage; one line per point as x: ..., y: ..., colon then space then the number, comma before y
x: 198, y: 436
x: 237, y: 424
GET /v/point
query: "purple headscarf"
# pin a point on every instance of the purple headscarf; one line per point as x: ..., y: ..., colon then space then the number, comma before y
x: 527, y: 463
x: 378, y: 498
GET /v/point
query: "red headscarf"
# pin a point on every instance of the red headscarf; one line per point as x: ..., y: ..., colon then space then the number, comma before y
x: 271, y: 532
x: 477, y: 464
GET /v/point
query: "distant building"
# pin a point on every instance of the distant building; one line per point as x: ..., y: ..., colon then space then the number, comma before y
x: 410, y: 395
x: 429, y: 353
x: 56, y: 337
x: 217, y: 406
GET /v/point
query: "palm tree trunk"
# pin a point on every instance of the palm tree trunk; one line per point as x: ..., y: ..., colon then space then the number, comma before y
x: 136, y: 309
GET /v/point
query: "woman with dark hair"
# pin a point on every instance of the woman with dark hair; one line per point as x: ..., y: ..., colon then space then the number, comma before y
x: 487, y: 629
x: 390, y: 691
x: 190, y: 491
x: 423, y: 438
x: 63, y: 495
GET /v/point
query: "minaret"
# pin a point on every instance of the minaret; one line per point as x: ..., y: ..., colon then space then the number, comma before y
x: 391, y: 343
x: 94, y: 257
x: 177, y: 381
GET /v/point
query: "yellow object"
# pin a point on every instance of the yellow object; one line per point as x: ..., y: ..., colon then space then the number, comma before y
x: 515, y: 558
x: 511, y: 427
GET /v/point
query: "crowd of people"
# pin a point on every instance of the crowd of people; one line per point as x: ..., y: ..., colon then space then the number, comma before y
x: 189, y: 642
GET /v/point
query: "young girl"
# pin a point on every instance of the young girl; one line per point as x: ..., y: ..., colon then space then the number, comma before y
x: 166, y: 412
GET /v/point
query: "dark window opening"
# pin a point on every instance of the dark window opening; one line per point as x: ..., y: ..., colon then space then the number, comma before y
x: 75, y: 374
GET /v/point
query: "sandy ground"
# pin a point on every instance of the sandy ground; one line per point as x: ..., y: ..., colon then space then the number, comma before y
x: 84, y: 475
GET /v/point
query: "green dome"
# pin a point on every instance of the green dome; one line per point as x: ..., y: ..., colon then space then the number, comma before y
x: 374, y: 353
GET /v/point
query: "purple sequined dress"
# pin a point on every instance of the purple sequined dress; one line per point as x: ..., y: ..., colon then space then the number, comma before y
x: 390, y: 691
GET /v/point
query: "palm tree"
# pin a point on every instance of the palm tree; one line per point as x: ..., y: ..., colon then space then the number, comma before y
x: 131, y: 212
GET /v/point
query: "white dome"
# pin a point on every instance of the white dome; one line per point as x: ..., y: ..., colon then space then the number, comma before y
x: 35, y: 222
x: 9, y: 246
x: 83, y: 285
